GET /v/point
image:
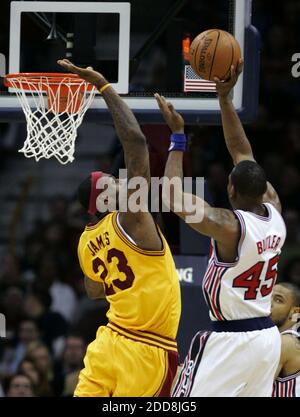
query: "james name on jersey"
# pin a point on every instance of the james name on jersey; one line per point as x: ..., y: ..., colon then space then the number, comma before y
x: 99, y: 243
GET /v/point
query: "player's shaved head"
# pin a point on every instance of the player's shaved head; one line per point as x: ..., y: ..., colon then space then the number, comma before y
x: 249, y: 180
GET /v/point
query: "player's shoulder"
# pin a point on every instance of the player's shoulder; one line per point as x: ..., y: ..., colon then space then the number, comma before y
x: 272, y: 198
x: 223, y: 217
x: 289, y: 343
x: 290, y: 347
x: 220, y: 224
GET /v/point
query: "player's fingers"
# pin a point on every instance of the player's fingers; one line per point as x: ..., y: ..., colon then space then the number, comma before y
x: 69, y: 66
x: 171, y: 107
x: 158, y: 99
x: 90, y: 68
x: 66, y: 61
x: 164, y: 103
x: 63, y: 63
x: 160, y: 102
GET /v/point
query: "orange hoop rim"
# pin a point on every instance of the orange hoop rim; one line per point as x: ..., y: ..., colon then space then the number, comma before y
x: 26, y: 79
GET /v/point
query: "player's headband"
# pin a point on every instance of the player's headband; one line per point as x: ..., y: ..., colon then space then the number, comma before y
x: 94, y: 191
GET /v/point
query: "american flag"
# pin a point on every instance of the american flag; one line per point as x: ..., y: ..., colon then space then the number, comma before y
x: 192, y: 82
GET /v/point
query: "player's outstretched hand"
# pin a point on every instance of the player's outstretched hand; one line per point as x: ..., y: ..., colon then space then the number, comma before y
x: 173, y: 119
x: 87, y: 74
x: 224, y: 87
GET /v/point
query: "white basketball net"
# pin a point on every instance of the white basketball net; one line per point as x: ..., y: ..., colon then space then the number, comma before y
x: 52, y: 114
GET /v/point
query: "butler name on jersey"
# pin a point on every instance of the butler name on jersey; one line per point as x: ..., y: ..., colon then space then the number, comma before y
x: 242, y: 289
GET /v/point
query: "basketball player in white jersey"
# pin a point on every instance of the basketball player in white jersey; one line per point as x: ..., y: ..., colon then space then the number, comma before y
x: 240, y: 355
x: 286, y: 316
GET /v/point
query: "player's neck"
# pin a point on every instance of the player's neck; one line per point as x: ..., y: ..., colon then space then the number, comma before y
x: 252, y: 206
x: 96, y: 219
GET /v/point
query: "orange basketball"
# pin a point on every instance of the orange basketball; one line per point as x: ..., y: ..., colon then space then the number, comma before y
x: 213, y: 52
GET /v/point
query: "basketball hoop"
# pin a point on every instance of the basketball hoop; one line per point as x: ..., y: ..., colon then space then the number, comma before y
x: 54, y: 105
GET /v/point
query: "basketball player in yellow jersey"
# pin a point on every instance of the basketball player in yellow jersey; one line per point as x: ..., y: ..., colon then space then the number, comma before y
x: 125, y: 256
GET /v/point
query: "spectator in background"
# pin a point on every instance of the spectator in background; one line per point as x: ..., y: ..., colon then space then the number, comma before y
x: 68, y: 368
x: 39, y: 355
x: 10, y: 271
x: 28, y: 332
x: 63, y: 296
x: 33, y: 250
x: 12, y: 306
x: 52, y: 325
x: 20, y: 386
x: 55, y: 238
x: 28, y: 368
x: 73, y: 354
x: 58, y: 206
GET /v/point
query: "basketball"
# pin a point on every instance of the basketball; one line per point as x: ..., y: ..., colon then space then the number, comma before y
x: 213, y: 52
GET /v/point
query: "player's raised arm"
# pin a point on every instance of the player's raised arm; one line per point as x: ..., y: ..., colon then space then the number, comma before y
x: 138, y: 224
x: 236, y: 139
x: 127, y: 127
x: 220, y: 224
x: 95, y: 290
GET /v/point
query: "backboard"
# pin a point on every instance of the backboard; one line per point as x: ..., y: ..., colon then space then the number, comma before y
x: 139, y: 45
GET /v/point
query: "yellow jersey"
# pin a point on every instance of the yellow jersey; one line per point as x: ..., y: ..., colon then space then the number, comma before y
x: 141, y: 286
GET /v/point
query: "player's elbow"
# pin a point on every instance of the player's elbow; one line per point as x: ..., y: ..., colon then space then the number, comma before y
x: 94, y: 290
x: 93, y: 296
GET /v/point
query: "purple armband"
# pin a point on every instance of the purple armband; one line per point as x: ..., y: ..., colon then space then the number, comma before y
x: 178, y: 142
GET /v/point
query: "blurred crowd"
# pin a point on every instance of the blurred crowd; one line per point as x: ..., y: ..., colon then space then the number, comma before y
x: 49, y: 319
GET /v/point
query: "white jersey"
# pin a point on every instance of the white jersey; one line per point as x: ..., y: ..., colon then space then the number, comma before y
x: 288, y: 386
x: 242, y: 289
